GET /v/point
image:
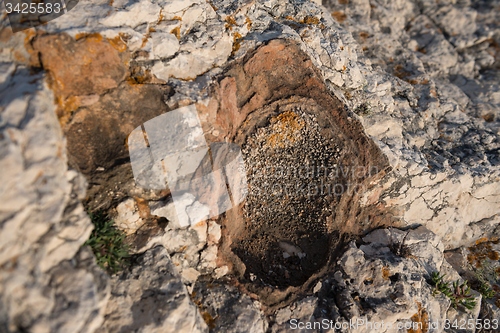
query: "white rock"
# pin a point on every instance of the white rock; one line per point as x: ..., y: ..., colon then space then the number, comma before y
x: 214, y: 233
x: 43, y: 224
x: 136, y: 297
x: 127, y: 218
x: 165, y: 45
x: 134, y: 15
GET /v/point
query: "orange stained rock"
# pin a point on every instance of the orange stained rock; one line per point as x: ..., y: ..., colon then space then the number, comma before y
x: 386, y: 273
x: 339, y: 16
x: 118, y: 43
x: 286, y: 127
x: 421, y: 318
x: 91, y: 37
x: 481, y: 251
x: 177, y: 32
x: 236, y: 42
x: 85, y: 65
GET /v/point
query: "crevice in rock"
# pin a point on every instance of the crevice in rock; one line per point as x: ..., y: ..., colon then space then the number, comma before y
x: 292, y: 226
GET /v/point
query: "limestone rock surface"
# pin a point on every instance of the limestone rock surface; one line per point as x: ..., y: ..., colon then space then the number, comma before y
x: 48, y: 282
x: 227, y: 309
x: 416, y: 83
x: 151, y: 298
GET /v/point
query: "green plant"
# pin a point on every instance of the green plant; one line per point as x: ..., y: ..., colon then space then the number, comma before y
x: 439, y: 285
x: 107, y: 243
x: 486, y: 290
x: 485, y: 275
x: 462, y: 296
x: 458, y: 293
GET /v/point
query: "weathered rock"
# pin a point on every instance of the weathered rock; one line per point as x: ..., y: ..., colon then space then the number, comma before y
x: 226, y: 309
x: 151, y: 298
x: 443, y: 146
x: 47, y: 283
x: 415, y: 80
x: 97, y: 133
x: 382, y: 285
x: 86, y: 66
x: 81, y: 292
x: 300, y: 311
x: 409, y: 70
x: 480, y: 265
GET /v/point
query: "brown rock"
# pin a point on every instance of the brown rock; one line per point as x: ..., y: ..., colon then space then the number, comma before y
x: 97, y: 133
x: 86, y: 66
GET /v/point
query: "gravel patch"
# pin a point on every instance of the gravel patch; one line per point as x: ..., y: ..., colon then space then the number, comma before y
x: 291, y: 174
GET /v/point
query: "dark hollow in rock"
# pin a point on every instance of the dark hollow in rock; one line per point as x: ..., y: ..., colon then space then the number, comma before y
x: 293, y: 183
x: 292, y: 226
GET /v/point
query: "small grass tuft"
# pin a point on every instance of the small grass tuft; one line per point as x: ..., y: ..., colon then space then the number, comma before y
x: 107, y: 243
x: 439, y: 285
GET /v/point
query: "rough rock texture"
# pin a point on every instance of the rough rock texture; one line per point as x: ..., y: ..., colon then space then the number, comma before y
x: 410, y: 87
x: 255, y: 93
x: 480, y: 264
x: 444, y: 151
x: 226, y: 309
x: 377, y: 283
x: 292, y: 138
x: 47, y: 283
x: 151, y: 298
